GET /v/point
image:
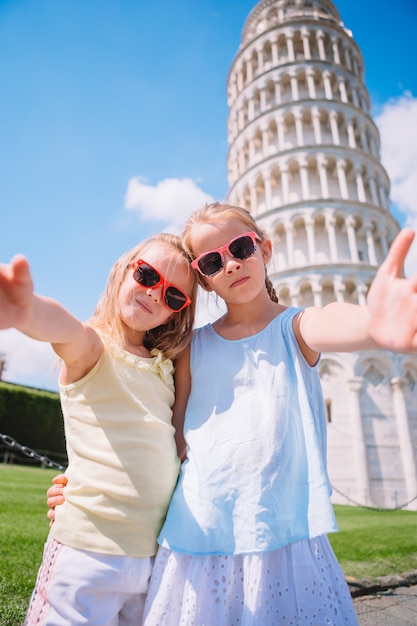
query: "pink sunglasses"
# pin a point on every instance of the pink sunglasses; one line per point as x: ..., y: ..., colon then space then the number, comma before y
x: 242, y: 247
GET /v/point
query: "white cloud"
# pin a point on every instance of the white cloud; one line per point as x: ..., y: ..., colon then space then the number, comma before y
x: 171, y: 200
x: 397, y: 123
x: 28, y: 362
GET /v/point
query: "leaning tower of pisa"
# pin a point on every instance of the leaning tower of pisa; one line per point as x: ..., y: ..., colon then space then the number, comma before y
x: 304, y: 159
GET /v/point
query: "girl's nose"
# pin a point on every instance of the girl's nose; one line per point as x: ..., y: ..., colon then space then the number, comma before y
x: 231, y: 263
x: 155, y: 293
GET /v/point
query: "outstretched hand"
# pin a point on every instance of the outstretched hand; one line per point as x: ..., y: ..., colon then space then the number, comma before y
x: 392, y: 300
x: 16, y: 291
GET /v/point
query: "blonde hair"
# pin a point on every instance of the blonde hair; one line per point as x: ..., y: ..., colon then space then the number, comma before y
x: 173, y: 336
x: 210, y: 213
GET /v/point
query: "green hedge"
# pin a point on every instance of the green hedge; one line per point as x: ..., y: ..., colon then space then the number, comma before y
x: 33, y: 418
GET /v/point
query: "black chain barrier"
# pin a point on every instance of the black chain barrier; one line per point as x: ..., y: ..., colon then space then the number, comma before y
x: 12, y: 443
x: 374, y: 508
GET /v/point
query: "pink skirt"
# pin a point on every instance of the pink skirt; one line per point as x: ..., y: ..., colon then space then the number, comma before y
x: 300, y: 584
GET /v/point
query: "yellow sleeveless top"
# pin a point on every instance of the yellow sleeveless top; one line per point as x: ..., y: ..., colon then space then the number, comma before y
x: 123, y: 463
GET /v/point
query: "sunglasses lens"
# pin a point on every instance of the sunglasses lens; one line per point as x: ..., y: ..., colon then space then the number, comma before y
x: 210, y: 263
x: 146, y: 276
x: 174, y: 298
x: 242, y: 248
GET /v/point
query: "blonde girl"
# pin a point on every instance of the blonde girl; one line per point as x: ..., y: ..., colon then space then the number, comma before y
x: 245, y: 538
x: 117, y: 392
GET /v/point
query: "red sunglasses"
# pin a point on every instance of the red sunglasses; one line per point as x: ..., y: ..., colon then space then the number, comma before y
x: 148, y: 276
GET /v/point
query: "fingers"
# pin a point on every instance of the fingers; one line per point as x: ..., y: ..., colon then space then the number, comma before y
x: 55, y: 493
x: 60, y: 479
x: 55, y: 500
x: 394, y: 263
x: 19, y: 268
x: 51, y: 516
x: 15, y: 280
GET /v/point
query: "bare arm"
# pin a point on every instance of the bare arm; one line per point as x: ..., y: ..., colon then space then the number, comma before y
x: 389, y: 319
x: 45, y: 319
x: 182, y: 392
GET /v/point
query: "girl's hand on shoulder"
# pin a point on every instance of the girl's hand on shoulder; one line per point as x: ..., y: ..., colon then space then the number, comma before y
x: 392, y: 300
x: 55, y: 495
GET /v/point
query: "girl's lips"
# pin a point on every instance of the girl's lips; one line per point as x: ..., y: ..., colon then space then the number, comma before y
x: 143, y: 305
x: 239, y: 282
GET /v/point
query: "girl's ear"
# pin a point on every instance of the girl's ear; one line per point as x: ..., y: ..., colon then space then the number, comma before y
x: 266, y: 249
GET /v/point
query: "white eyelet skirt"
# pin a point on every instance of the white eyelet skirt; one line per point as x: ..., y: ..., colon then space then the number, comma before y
x: 300, y: 584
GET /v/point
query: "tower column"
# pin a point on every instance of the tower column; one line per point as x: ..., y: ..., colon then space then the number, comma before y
x: 278, y: 92
x: 341, y: 175
x: 290, y: 46
x: 309, y: 225
x: 317, y: 296
x: 274, y: 51
x: 331, y: 233
x: 362, y: 290
x: 320, y: 44
x: 240, y: 80
x: 360, y: 188
x: 351, y: 134
x: 335, y: 48
x: 251, y: 109
x: 285, y: 184
x: 306, y: 44
x: 260, y: 60
x: 339, y: 290
x: 249, y: 71
x: 304, y: 179
x: 281, y: 134
x: 310, y: 84
x: 268, y: 192
x: 321, y: 164
x: 359, y: 446
x: 346, y: 56
x: 265, y: 141
x: 327, y: 85
x: 370, y: 243
x: 294, y: 87
x: 253, y: 194
x: 315, y: 116
x: 251, y: 143
x: 372, y: 187
x: 404, y: 435
x: 334, y: 127
x: 350, y: 225
x: 299, y: 128
x: 290, y: 244
x: 342, y: 90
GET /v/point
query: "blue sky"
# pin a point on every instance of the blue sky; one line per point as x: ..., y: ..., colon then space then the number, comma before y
x: 113, y: 118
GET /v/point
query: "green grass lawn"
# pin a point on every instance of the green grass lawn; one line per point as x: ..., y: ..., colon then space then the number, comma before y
x: 370, y: 544
x: 375, y: 543
x: 23, y: 530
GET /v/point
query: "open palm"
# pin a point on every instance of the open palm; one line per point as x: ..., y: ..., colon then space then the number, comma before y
x: 392, y: 299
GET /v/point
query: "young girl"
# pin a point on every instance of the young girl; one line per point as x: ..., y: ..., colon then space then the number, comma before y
x: 245, y: 539
x: 116, y: 387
